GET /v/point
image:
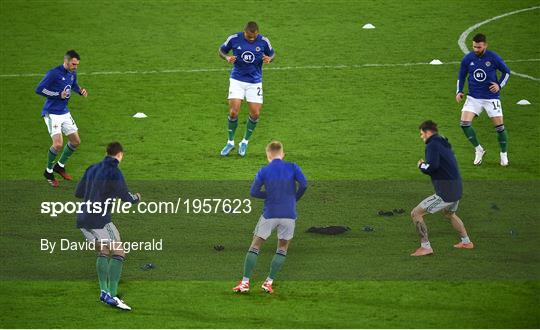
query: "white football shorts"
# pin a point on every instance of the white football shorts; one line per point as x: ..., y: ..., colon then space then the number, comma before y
x: 57, y: 124
x: 435, y: 203
x: 106, y: 234
x: 493, y: 107
x: 283, y: 226
x: 252, y: 93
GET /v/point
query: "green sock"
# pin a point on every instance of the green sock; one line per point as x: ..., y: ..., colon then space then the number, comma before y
x: 470, y: 133
x: 51, y: 157
x: 251, y: 124
x: 277, y: 262
x: 502, y: 137
x: 250, y: 262
x: 233, y: 124
x: 69, y: 149
x: 115, y: 270
x: 102, y: 266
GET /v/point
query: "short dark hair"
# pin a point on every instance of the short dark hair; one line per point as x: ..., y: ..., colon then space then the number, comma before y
x: 114, y: 148
x: 429, y: 125
x: 72, y: 54
x: 251, y: 27
x: 479, y: 37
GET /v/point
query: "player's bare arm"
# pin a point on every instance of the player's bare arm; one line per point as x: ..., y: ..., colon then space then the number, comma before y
x: 230, y: 59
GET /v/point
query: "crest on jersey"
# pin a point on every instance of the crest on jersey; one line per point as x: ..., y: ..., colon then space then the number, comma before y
x: 258, y: 49
x: 488, y: 63
x: 472, y: 63
x: 248, y: 57
x: 71, y: 78
x: 479, y: 75
x: 240, y: 48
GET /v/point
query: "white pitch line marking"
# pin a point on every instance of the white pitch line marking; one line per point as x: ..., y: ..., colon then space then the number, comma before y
x: 465, y: 34
x: 271, y: 68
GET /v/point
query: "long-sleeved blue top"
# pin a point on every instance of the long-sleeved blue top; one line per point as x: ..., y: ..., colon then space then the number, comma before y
x: 52, y: 85
x: 442, y: 166
x: 482, y: 71
x: 101, y: 181
x: 279, y: 179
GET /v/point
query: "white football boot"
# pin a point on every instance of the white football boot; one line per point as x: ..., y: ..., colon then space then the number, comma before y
x: 504, y: 159
x: 121, y: 304
x: 478, y: 155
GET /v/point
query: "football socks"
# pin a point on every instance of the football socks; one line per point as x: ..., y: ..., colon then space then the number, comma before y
x: 102, y: 266
x: 277, y: 262
x: 233, y: 124
x: 250, y: 127
x: 51, y: 157
x: 502, y: 137
x: 115, y: 270
x: 69, y: 149
x: 470, y: 133
x: 250, y: 262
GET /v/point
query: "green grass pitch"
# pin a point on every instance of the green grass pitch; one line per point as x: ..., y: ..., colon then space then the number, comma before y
x: 351, y: 126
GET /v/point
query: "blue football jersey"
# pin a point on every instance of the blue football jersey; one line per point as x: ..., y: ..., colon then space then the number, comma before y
x: 280, y: 193
x: 52, y: 85
x: 482, y: 71
x: 248, y: 65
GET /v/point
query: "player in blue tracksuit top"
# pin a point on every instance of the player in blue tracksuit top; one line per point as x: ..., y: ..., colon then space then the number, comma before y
x: 484, y: 91
x: 100, y: 186
x: 280, y: 194
x: 249, y: 51
x: 441, y: 165
x: 57, y: 86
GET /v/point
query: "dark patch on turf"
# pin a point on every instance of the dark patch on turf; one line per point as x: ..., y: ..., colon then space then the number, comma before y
x: 329, y: 230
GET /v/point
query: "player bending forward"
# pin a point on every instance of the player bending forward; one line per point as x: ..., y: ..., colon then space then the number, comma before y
x: 101, y: 182
x: 481, y: 65
x: 442, y: 166
x: 56, y: 86
x: 249, y: 51
x: 279, y: 179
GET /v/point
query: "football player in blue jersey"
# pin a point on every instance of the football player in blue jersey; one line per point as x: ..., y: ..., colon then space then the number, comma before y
x: 249, y: 51
x: 56, y: 86
x: 484, y: 87
x: 284, y: 185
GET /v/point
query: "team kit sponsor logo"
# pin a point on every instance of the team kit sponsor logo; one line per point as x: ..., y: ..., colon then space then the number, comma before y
x: 479, y: 75
x: 248, y: 57
x: 67, y: 89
